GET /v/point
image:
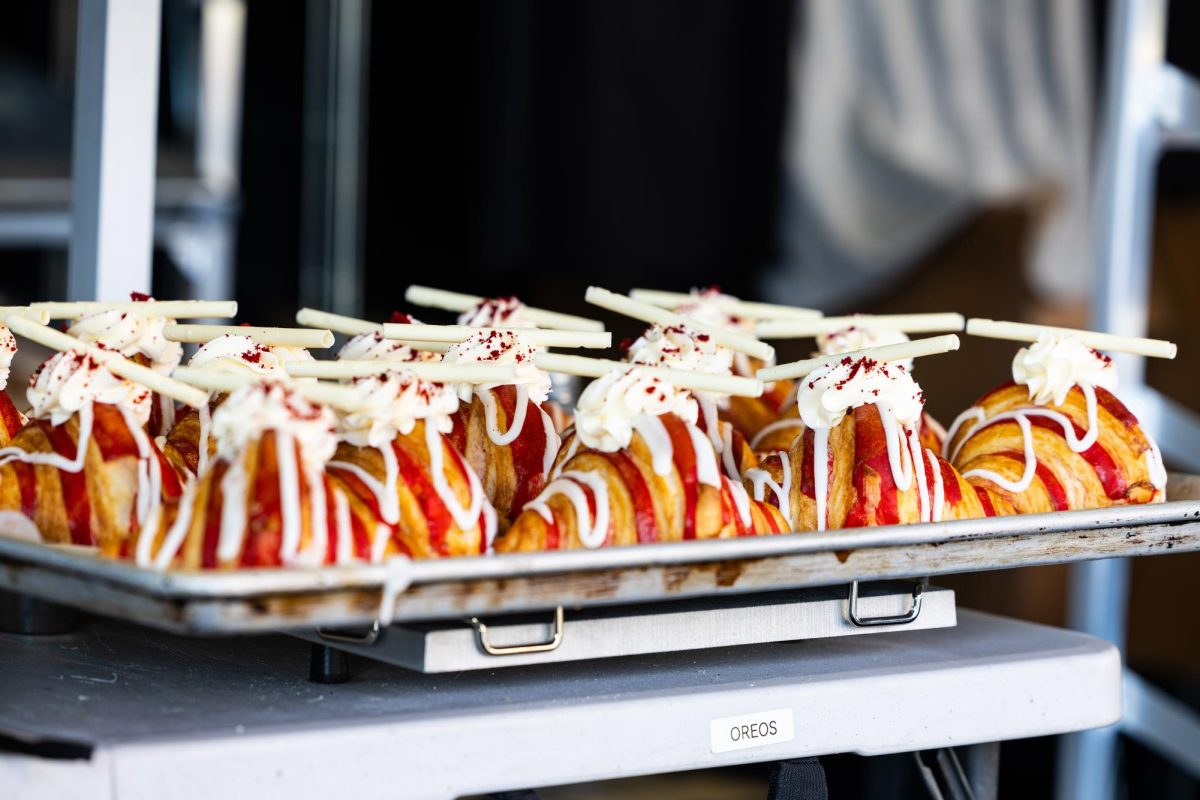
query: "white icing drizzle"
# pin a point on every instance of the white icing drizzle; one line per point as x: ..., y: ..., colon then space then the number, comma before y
x: 761, y: 479
x: 726, y: 450
x: 553, y: 442
x: 741, y: 501
x: 707, y: 471
x: 314, y: 554
x: 383, y: 497
x: 289, y: 496
x: 821, y: 474
x: 1075, y: 443
x: 939, y: 490
x: 86, y: 416
x: 176, y: 533
x: 658, y: 442
x: 590, y: 536
x: 166, y: 410
x: 1030, y: 463
x: 777, y: 425
x: 464, y: 518
x: 491, y: 415
x: 893, y: 435
x: 379, y: 542
x: 233, y: 511
x: 918, y: 464
x: 205, y: 416
x: 1154, y: 464
x: 148, y: 503
x: 345, y: 532
x: 572, y: 449
x: 708, y: 407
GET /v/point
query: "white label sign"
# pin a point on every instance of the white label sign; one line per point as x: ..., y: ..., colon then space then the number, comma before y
x: 751, y: 730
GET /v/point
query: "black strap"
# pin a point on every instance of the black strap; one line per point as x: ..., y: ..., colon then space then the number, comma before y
x: 799, y: 779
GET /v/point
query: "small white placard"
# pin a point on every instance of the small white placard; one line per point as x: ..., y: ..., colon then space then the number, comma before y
x: 751, y: 730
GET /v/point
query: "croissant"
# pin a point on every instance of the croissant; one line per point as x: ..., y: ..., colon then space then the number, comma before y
x: 1087, y: 452
x: 248, y: 513
x: 421, y: 489
x: 509, y: 441
x: 96, y: 479
x: 870, y: 479
x: 665, y: 488
x: 265, y: 500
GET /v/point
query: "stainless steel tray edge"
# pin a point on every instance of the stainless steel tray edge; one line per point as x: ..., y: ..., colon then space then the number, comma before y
x: 255, y: 600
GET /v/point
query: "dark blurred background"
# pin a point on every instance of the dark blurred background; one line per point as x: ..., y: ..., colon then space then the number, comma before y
x: 787, y: 151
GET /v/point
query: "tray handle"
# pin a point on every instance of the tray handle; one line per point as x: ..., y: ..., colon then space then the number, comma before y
x: 481, y: 632
x: 914, y: 611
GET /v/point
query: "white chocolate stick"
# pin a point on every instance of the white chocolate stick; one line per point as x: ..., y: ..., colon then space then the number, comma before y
x: 538, y: 337
x: 38, y: 315
x: 330, y: 394
x: 888, y: 352
x: 1024, y: 332
x: 906, y: 323
x: 429, y: 370
x: 655, y: 315
x: 175, y: 309
x: 112, y: 361
x: 738, y: 308
x: 312, y: 318
x: 273, y: 337
x: 455, y: 301
x: 694, y: 381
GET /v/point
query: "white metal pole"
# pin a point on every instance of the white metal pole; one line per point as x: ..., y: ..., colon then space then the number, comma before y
x: 115, y: 137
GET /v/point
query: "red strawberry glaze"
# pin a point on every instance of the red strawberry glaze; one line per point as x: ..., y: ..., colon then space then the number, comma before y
x: 458, y: 433
x: 212, y: 518
x: 951, y: 491
x: 1057, y: 496
x: 808, y: 475
x: 985, y: 500
x: 264, y: 518
x: 1115, y: 407
x: 684, y: 457
x: 553, y: 538
x: 9, y: 415
x: 462, y: 472
x: 643, y: 506
x: 528, y: 449
x: 74, y: 486
x: 870, y: 447
x: 1110, y: 475
x: 111, y: 433
x: 437, y: 517
x: 27, y: 483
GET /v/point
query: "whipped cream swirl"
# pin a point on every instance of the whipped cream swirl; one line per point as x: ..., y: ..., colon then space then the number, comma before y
x: 130, y: 333
x: 497, y: 312
x: 860, y: 337
x: 392, y: 403
x: 608, y: 408
x: 241, y: 354
x: 1053, y: 364
x: 8, y: 349
x: 373, y: 347
x: 70, y: 380
x: 827, y: 394
x: 501, y: 347
x: 680, y: 347
x: 259, y: 407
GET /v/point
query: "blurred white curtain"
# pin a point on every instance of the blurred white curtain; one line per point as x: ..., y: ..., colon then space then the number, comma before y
x: 908, y: 115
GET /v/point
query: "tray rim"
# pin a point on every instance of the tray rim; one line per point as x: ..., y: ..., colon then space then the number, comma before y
x: 399, y: 573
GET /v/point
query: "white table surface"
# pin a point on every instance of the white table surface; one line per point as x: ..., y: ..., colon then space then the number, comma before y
x: 152, y: 715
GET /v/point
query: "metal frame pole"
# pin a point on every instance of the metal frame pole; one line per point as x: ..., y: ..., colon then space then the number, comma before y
x: 115, y: 144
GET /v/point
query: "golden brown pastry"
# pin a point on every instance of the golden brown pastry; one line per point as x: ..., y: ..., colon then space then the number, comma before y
x: 636, y: 470
x: 1057, y: 438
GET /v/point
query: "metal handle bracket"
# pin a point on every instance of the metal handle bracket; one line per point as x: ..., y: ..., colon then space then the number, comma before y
x: 481, y: 631
x: 913, y: 612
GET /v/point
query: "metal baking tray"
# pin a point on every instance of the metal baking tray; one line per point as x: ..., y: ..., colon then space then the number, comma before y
x: 250, y: 601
